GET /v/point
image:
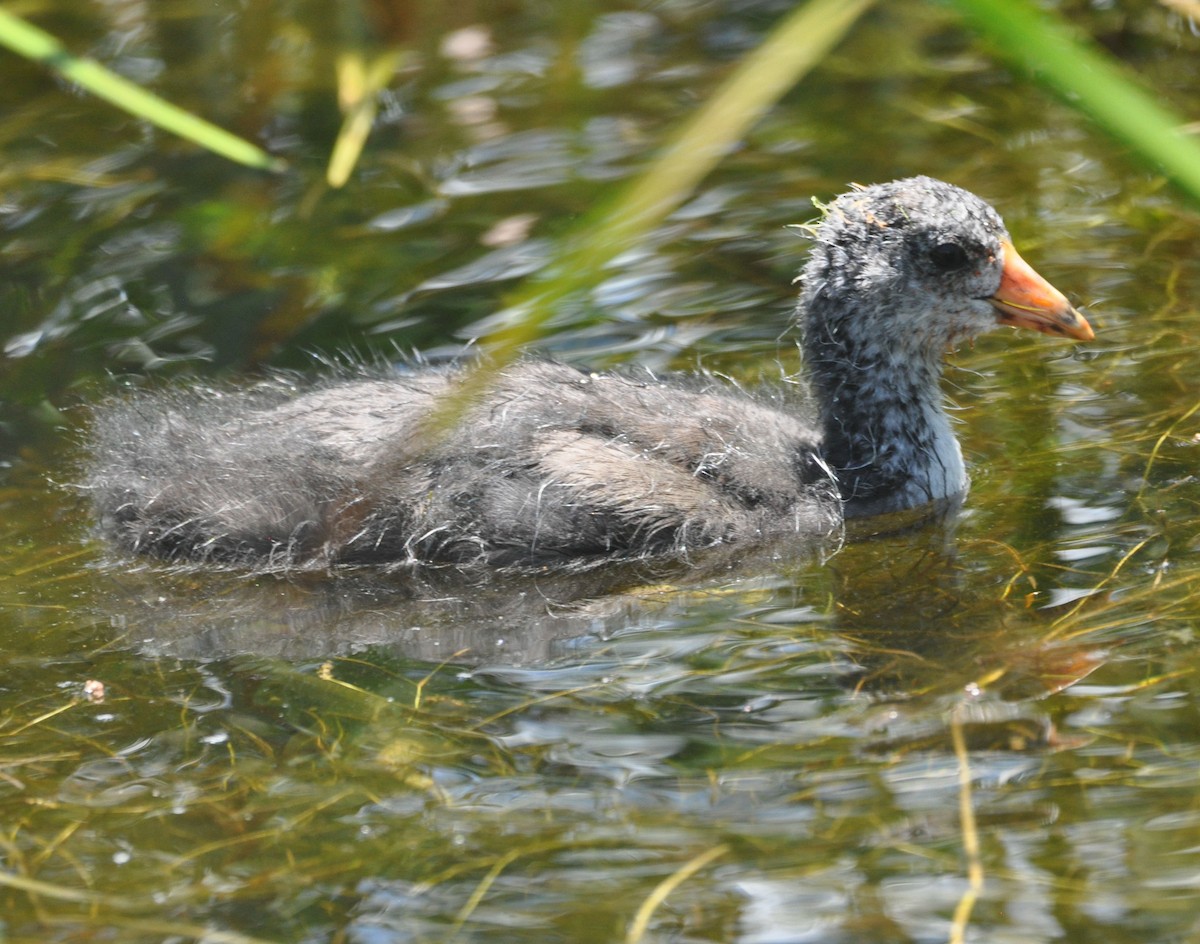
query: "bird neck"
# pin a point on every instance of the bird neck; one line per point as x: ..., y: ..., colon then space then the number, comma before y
x: 885, y: 431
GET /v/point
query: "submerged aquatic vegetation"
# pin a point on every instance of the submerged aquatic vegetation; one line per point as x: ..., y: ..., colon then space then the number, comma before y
x: 780, y: 750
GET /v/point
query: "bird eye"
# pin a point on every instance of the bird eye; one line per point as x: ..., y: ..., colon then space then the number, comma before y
x: 947, y: 256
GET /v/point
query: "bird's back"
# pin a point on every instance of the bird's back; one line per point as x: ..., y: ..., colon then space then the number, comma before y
x: 554, y: 465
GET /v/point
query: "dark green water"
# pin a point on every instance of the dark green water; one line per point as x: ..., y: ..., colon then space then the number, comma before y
x: 376, y: 760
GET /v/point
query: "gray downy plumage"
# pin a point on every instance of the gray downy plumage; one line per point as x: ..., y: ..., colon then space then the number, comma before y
x: 555, y: 466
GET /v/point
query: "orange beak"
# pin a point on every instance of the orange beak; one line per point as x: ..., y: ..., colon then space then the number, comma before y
x: 1026, y: 300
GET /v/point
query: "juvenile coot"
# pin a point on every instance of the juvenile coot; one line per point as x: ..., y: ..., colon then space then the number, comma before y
x: 557, y: 466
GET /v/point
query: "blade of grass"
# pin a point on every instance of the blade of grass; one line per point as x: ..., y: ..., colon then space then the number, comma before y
x: 970, y: 832
x: 27, y: 40
x: 1091, y: 81
x: 793, y: 48
x: 641, y: 920
x: 359, y: 85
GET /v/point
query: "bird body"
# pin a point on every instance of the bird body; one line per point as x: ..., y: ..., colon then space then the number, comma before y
x: 555, y: 466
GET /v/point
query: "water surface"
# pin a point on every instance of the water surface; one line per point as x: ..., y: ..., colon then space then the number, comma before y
x: 368, y: 758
